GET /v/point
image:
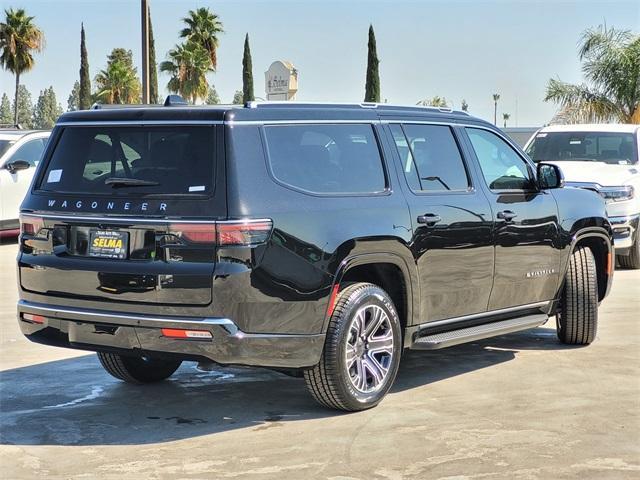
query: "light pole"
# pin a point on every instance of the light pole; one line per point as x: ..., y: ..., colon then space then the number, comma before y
x: 145, y: 50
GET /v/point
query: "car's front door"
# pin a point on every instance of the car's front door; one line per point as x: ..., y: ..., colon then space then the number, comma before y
x: 527, y: 256
x: 451, y: 220
x: 14, y: 185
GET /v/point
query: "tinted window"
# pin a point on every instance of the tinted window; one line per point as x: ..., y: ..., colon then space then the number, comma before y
x: 430, y: 157
x: 326, y: 158
x: 608, y: 147
x: 502, y: 167
x: 166, y: 160
x: 30, y: 151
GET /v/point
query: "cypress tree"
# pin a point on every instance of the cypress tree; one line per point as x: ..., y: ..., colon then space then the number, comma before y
x: 85, y: 83
x: 153, y: 68
x: 6, y: 115
x: 247, y: 73
x: 372, y: 87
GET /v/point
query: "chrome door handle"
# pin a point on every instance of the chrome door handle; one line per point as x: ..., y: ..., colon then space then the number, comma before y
x: 429, y: 219
x: 507, y: 215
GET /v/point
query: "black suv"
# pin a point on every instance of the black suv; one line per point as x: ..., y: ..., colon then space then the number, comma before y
x: 316, y: 239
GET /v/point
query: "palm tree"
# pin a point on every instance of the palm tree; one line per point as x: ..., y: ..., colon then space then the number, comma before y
x: 496, y: 97
x: 188, y: 65
x: 118, y: 84
x: 436, y: 101
x: 18, y: 38
x: 611, y: 65
x: 203, y: 28
x: 505, y: 117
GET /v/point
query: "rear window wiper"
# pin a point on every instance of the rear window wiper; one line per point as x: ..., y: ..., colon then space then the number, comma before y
x: 128, y: 182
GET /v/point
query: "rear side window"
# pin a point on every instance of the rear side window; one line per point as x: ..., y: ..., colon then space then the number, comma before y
x: 330, y: 159
x: 132, y: 160
x: 430, y: 157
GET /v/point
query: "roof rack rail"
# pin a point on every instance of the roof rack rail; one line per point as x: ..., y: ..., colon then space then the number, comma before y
x: 372, y: 105
x: 110, y: 106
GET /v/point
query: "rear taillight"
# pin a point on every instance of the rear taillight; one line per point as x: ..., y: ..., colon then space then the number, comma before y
x: 32, y: 318
x: 30, y: 224
x: 243, y: 233
x: 246, y: 233
x: 195, y: 232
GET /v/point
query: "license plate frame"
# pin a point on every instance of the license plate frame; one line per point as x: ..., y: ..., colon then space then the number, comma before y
x: 109, y: 244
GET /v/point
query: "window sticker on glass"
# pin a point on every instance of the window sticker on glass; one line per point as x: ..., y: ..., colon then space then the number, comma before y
x: 196, y: 188
x: 54, y: 176
x: 575, y: 142
x: 541, y: 135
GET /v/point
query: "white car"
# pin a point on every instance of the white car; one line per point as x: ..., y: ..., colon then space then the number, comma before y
x: 603, y: 158
x: 20, y: 152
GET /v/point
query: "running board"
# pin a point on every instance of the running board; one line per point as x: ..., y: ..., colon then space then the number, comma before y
x: 464, y: 335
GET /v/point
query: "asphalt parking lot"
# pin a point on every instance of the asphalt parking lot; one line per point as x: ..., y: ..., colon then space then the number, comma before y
x: 518, y: 406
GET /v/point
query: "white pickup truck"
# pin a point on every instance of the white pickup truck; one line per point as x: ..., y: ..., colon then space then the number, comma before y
x: 20, y: 152
x: 604, y: 158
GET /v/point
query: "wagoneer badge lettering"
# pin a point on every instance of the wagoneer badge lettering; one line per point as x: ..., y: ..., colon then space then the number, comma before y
x: 115, y: 205
x: 541, y: 273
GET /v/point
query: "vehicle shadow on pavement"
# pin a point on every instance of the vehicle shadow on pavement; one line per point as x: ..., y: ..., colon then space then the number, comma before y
x: 74, y: 402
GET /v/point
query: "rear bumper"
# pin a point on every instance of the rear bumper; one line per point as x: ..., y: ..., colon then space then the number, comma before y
x: 102, y: 330
x: 625, y: 229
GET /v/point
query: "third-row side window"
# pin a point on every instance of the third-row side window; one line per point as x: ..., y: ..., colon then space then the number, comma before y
x: 328, y: 159
x: 430, y: 157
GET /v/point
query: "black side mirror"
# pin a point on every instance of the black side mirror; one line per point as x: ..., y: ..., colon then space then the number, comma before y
x: 15, y: 165
x: 549, y: 176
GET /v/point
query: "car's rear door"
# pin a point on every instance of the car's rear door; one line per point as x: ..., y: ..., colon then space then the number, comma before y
x: 124, y: 214
x: 451, y: 221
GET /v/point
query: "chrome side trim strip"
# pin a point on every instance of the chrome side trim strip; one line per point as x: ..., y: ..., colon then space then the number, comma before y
x: 474, y: 316
x: 136, y: 220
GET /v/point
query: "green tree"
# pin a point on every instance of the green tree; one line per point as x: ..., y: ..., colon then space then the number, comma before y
x: 436, y: 101
x: 119, y: 82
x: 611, y: 65
x: 24, y: 107
x: 188, y: 65
x: 203, y: 28
x: 372, y: 85
x: 237, y: 98
x: 212, y: 96
x: 47, y: 109
x: 6, y: 117
x: 496, y: 97
x: 464, y: 105
x: 505, y: 117
x: 74, y: 97
x: 19, y: 37
x: 247, y: 73
x: 84, y: 93
x: 153, y: 66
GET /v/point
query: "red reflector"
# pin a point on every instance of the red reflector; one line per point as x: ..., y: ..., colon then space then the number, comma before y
x: 332, y: 299
x: 33, y: 318
x: 30, y: 225
x: 243, y: 233
x: 180, y: 333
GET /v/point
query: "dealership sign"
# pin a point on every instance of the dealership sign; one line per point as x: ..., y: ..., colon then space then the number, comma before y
x: 281, y: 81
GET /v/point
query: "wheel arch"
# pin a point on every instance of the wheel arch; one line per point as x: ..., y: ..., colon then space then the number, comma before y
x: 599, y: 241
x: 389, y: 271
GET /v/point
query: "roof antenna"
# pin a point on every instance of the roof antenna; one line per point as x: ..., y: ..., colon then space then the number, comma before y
x: 175, y: 101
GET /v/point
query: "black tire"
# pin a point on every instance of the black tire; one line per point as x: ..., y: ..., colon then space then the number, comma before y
x: 137, y: 369
x: 331, y: 381
x: 631, y: 261
x: 577, y: 317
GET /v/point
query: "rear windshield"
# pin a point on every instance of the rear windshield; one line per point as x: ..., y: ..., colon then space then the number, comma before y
x: 132, y: 160
x: 608, y: 147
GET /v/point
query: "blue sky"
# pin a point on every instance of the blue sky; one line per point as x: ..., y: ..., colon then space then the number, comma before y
x: 456, y: 49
